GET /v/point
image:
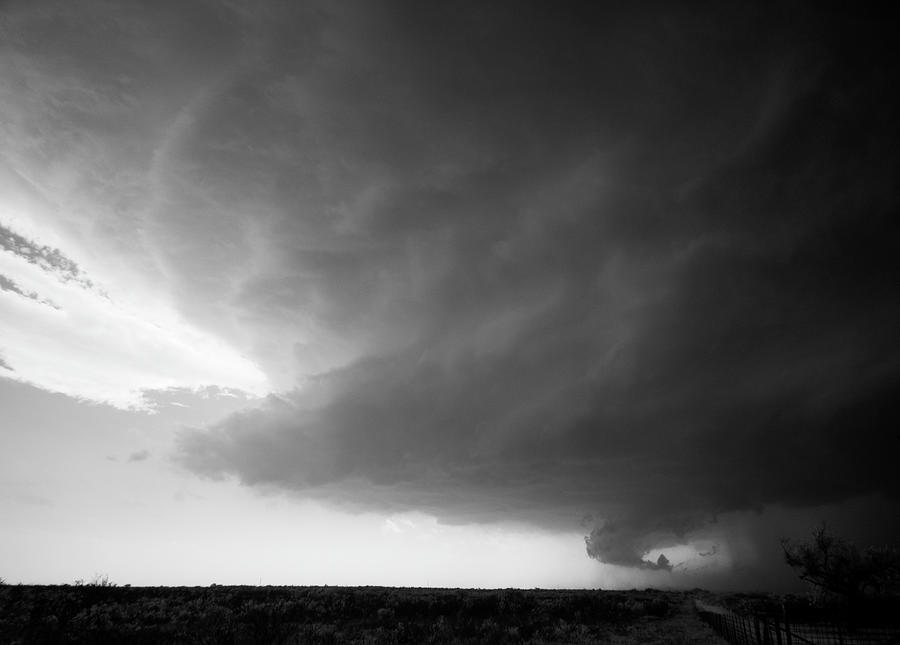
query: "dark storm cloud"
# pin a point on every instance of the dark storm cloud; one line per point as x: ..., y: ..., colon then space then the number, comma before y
x: 629, y: 262
x: 608, y: 544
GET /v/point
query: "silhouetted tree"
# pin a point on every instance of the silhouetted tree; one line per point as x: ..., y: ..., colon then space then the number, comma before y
x: 839, y: 568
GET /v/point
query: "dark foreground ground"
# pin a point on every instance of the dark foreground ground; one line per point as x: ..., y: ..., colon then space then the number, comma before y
x: 337, y: 615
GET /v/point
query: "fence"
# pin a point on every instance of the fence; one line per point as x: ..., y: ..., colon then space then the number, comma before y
x: 740, y: 629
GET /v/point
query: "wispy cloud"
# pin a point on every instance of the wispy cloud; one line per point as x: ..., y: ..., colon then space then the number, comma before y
x: 49, y: 260
x: 10, y: 285
x: 140, y: 455
x: 88, y: 346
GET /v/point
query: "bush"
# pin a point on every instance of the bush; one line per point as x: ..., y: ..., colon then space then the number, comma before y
x: 835, y: 567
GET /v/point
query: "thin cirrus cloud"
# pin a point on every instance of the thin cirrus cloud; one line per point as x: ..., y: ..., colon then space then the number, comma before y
x: 507, y: 262
x: 62, y: 333
x: 83, y: 186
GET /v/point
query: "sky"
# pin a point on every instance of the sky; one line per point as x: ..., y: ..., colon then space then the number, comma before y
x: 465, y: 294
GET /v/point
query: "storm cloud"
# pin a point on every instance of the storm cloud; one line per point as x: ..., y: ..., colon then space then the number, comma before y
x: 524, y: 261
x: 625, y: 262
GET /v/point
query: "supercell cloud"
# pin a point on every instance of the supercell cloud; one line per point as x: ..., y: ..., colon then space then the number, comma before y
x: 509, y: 262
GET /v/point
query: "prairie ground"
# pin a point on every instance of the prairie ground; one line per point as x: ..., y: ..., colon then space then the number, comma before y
x: 344, y: 615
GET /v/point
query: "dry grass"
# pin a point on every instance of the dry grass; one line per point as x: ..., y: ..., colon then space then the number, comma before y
x: 683, y: 627
x: 357, y: 616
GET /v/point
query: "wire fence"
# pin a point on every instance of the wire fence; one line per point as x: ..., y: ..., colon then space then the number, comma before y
x: 742, y: 629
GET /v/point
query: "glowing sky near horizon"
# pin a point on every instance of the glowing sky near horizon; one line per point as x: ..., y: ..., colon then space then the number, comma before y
x: 453, y: 294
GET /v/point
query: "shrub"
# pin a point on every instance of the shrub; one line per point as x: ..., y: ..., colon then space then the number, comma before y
x: 836, y: 567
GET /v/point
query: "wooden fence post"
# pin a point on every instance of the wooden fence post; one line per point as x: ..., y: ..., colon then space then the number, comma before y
x: 777, y: 631
x: 758, y: 636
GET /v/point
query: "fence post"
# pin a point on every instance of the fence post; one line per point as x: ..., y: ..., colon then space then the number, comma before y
x: 787, y: 632
x: 758, y: 636
x: 777, y: 631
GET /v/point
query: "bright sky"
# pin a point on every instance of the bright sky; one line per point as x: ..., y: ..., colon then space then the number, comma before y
x: 412, y: 294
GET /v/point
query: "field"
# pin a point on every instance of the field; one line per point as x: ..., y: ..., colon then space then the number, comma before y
x: 338, y: 615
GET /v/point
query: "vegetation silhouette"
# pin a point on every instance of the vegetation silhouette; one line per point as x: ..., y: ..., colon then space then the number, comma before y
x: 858, y: 583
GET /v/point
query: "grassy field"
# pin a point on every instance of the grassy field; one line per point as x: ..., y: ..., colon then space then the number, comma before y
x: 338, y: 615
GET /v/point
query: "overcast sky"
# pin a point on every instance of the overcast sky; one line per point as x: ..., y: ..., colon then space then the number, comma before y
x: 445, y: 293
